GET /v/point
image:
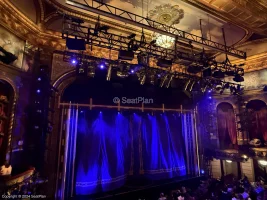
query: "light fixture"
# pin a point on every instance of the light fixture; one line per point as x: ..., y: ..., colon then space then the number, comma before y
x: 73, y: 61
x: 263, y: 163
x: 229, y: 161
x: 163, y: 40
x: 238, y: 78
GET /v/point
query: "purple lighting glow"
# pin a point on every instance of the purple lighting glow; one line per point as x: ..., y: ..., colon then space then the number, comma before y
x: 73, y: 61
x: 38, y: 91
x: 132, y: 71
x: 209, y: 97
x: 39, y: 79
x: 102, y: 66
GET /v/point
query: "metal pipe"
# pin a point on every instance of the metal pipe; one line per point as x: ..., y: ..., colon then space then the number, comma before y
x: 125, y: 107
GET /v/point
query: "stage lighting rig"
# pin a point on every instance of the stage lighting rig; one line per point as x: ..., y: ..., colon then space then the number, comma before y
x: 144, y: 73
x: 100, y: 28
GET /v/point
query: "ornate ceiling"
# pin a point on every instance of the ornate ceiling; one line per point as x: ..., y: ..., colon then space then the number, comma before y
x: 179, y: 14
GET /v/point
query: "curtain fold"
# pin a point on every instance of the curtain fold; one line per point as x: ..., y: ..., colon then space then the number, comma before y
x: 226, y: 125
x: 231, y: 126
x: 222, y: 126
x: 106, y: 155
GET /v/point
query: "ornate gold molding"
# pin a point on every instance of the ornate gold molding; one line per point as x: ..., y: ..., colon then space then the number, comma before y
x: 16, y: 22
x: 253, y: 63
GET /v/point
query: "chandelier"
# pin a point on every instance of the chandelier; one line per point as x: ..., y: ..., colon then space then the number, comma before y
x: 163, y: 40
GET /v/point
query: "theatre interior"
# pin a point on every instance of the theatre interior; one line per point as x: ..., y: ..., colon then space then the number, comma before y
x: 133, y: 99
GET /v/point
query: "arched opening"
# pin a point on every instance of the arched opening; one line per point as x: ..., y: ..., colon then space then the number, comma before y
x: 226, y: 126
x: 6, y: 101
x: 116, y: 147
x: 258, y: 128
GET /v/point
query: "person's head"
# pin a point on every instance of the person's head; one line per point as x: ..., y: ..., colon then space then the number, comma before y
x: 161, y: 194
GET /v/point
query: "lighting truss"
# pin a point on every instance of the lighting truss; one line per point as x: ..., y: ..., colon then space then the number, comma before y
x: 131, y: 18
x: 67, y: 57
x: 117, y: 42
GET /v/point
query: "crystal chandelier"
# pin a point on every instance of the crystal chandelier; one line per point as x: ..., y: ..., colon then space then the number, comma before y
x: 163, y: 40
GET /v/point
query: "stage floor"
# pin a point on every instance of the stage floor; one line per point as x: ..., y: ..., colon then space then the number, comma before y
x: 141, y: 188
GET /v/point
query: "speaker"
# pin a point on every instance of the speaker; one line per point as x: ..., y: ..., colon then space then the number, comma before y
x: 126, y: 55
x: 75, y: 44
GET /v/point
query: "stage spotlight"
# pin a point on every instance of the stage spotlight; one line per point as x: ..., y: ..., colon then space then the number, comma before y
x: 126, y: 55
x: 39, y: 79
x: 132, y: 71
x: 218, y: 74
x: 238, y: 78
x: 153, y: 42
x: 132, y: 36
x: 230, y: 73
x: 38, y: 91
x: 209, y: 97
x: 210, y: 91
x: 218, y: 87
x: 164, y: 63
x: 207, y: 72
x: 227, y: 86
x: 102, y: 66
x: 74, y: 61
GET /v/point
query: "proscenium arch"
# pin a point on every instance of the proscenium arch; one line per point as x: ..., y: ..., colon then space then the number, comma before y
x: 64, y: 81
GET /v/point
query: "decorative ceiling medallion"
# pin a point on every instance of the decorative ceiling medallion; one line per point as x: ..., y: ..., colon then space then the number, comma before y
x: 167, y: 14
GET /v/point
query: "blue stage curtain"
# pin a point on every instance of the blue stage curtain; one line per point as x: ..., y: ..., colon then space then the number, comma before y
x: 111, y: 146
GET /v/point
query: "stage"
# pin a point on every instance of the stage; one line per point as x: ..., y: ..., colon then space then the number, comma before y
x: 142, y: 188
x: 109, y: 152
